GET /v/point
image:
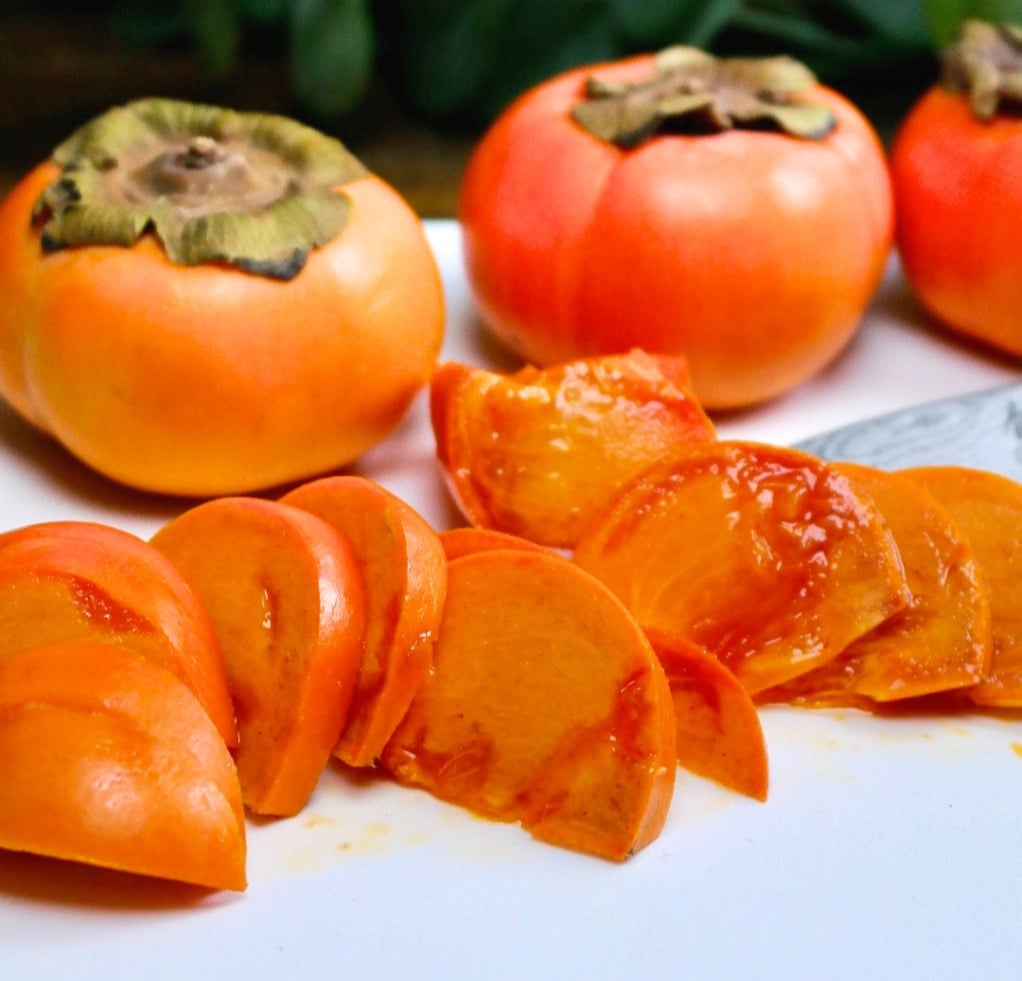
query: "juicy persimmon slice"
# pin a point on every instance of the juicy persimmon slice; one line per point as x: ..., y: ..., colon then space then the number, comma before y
x: 988, y: 509
x: 546, y: 706
x: 109, y: 759
x: 68, y: 580
x: 405, y: 573
x: 769, y: 558
x: 718, y: 728
x: 287, y: 601
x: 536, y: 453
x: 941, y: 640
x: 457, y: 542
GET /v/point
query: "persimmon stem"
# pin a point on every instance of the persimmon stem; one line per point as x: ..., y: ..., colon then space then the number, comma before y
x: 985, y: 64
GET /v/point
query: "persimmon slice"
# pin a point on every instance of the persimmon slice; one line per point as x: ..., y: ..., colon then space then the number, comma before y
x: 988, y: 509
x: 287, y: 600
x: 405, y: 573
x: 109, y: 759
x: 769, y: 558
x: 457, y: 542
x: 79, y: 580
x: 941, y: 640
x: 546, y: 706
x: 719, y: 734
x: 535, y: 453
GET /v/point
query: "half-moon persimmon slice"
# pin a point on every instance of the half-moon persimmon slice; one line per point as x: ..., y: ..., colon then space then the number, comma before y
x: 988, y: 509
x: 546, y: 706
x: 941, y: 640
x: 768, y: 557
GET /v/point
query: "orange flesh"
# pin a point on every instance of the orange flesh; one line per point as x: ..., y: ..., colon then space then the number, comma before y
x: 405, y: 574
x: 457, y: 542
x: 67, y: 580
x: 536, y: 453
x: 109, y: 759
x: 940, y: 641
x: 547, y: 706
x: 988, y: 509
x: 767, y: 557
x: 286, y: 597
x: 719, y: 732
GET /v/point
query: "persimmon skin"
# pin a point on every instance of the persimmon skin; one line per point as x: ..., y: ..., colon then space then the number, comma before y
x: 208, y: 380
x: 751, y: 253
x: 958, y: 192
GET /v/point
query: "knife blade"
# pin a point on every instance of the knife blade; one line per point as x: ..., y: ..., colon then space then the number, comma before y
x: 980, y: 429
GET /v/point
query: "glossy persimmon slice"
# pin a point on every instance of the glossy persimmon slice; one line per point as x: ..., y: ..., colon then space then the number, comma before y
x: 535, y: 453
x: 457, y: 542
x: 941, y: 640
x: 769, y: 558
x: 81, y: 580
x: 286, y: 596
x: 405, y: 573
x: 718, y: 727
x: 546, y: 706
x: 988, y: 509
x: 109, y: 759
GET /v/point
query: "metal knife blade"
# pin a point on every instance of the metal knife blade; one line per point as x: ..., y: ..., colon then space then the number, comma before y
x: 981, y: 429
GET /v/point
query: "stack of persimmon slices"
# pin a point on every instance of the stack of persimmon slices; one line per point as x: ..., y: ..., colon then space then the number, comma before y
x: 808, y: 582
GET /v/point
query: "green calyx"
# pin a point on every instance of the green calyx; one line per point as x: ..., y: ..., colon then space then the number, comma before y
x: 254, y: 191
x: 690, y: 91
x: 985, y: 65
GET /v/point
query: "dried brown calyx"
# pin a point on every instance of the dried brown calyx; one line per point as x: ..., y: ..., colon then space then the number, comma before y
x: 255, y: 191
x: 691, y: 91
x: 985, y: 64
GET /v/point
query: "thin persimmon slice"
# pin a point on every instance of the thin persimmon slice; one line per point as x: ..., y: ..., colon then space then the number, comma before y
x: 547, y: 706
x: 941, y: 640
x: 988, y: 509
x: 287, y: 600
x: 537, y: 452
x: 457, y: 542
x: 109, y: 759
x: 719, y: 734
x: 771, y: 559
x: 67, y: 580
x: 405, y: 573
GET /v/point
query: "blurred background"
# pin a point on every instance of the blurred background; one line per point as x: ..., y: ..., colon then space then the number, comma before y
x: 409, y: 85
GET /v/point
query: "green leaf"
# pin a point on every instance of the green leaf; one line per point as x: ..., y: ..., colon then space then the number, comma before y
x: 332, y: 48
x: 264, y: 12
x: 904, y: 23
x: 946, y: 15
x: 216, y: 28
x: 651, y: 24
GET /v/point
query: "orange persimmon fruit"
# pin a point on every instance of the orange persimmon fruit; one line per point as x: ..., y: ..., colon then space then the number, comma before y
x: 988, y: 509
x: 538, y: 452
x: 719, y: 734
x: 546, y: 706
x: 404, y: 570
x: 734, y: 211
x: 250, y: 306
x: 287, y: 600
x: 461, y: 541
x: 107, y: 758
x: 768, y: 557
x: 80, y: 580
x: 941, y: 640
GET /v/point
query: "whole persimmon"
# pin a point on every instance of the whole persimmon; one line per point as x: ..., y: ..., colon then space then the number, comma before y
x: 956, y: 166
x: 734, y: 211
x: 199, y: 301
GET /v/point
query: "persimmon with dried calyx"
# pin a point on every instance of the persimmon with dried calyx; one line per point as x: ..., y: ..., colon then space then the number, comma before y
x: 988, y: 509
x: 536, y: 453
x: 81, y: 580
x: 287, y: 600
x: 956, y: 167
x: 200, y: 302
x: 769, y: 558
x: 734, y: 211
x: 404, y: 571
x: 546, y: 706
x: 941, y: 641
x: 109, y: 759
